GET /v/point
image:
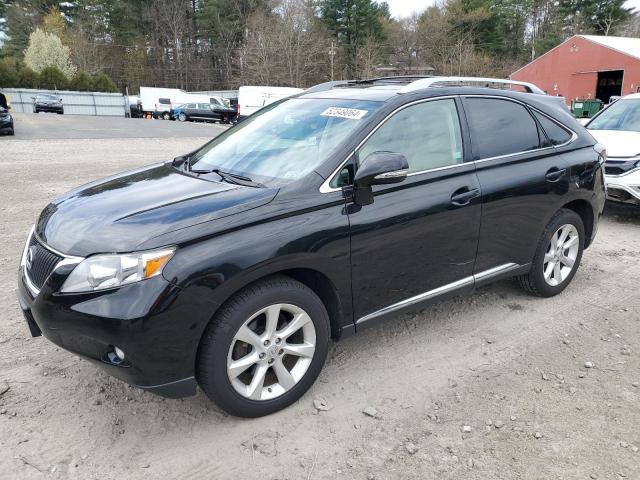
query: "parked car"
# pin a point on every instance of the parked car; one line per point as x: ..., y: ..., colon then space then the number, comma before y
x: 6, y: 120
x: 46, y: 102
x: 233, y: 266
x: 617, y: 127
x: 206, y: 112
x: 252, y: 98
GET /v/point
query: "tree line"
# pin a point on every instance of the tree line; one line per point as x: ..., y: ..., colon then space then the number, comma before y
x: 221, y: 44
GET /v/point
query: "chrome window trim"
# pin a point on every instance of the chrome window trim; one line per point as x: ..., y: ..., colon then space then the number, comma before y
x: 436, y: 292
x: 66, y: 260
x: 573, y: 138
x: 327, y: 188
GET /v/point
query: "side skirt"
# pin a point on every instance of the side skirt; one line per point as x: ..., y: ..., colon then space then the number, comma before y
x: 445, y: 291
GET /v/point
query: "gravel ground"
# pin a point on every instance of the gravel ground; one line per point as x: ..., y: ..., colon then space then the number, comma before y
x: 497, y: 385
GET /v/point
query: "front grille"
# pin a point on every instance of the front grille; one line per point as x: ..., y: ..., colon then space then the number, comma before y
x: 40, y: 262
x: 613, y: 170
x: 617, y: 167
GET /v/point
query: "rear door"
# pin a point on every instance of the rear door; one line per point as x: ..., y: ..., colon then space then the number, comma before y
x: 523, y: 180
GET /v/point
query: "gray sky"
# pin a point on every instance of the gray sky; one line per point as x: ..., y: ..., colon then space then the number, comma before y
x: 404, y: 8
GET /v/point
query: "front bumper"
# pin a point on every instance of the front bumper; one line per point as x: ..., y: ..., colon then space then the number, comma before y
x: 625, y: 187
x: 154, y: 322
x: 50, y: 108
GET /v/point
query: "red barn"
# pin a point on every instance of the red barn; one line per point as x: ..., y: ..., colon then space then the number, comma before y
x: 587, y: 66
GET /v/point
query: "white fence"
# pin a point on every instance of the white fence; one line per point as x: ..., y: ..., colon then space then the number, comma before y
x: 75, y: 103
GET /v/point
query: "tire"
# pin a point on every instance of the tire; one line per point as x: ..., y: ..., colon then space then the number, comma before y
x: 12, y: 132
x: 61, y: 112
x: 166, y: 116
x: 182, y: 117
x: 536, y: 282
x: 244, y: 312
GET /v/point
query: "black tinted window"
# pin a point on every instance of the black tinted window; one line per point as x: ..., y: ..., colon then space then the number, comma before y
x: 557, y: 135
x: 500, y: 127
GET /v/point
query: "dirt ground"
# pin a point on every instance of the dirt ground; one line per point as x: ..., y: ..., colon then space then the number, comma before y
x: 491, y: 386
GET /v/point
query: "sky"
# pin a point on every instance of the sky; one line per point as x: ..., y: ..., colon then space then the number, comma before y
x: 404, y: 8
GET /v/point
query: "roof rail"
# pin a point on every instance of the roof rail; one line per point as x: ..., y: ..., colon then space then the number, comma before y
x: 430, y: 82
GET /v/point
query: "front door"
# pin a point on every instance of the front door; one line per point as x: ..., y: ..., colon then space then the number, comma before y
x: 418, y: 238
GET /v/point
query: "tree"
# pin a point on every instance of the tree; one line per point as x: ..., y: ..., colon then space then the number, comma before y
x: 102, y: 83
x: 27, y: 78
x: 46, y: 50
x: 354, y: 23
x: 52, y: 78
x: 81, y: 82
x: 8, y: 73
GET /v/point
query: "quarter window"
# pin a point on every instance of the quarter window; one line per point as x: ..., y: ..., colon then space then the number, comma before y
x: 427, y: 134
x: 500, y: 127
x: 557, y: 134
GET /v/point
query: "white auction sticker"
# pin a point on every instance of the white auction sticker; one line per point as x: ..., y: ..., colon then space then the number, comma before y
x: 353, y: 113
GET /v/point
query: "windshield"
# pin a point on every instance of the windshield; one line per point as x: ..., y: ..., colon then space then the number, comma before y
x: 622, y: 115
x: 47, y: 97
x: 284, y: 141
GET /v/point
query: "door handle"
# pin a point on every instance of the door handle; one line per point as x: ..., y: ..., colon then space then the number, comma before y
x: 555, y: 174
x: 464, y: 195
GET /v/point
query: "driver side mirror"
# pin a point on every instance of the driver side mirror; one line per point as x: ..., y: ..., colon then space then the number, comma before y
x: 379, y: 168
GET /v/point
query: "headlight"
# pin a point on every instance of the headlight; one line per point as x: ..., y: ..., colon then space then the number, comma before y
x: 107, y: 271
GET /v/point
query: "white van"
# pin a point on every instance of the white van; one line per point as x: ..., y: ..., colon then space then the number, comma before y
x: 252, y: 99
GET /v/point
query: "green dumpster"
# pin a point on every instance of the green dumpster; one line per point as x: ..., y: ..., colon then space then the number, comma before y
x: 585, y: 107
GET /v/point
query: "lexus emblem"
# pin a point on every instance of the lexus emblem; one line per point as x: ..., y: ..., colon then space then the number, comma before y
x: 31, y: 253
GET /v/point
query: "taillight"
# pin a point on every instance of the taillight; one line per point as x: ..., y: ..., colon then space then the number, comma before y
x: 601, y: 150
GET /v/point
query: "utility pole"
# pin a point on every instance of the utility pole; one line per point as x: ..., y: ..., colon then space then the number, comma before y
x: 332, y: 53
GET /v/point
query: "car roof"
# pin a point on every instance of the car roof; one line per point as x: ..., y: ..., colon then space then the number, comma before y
x: 631, y: 96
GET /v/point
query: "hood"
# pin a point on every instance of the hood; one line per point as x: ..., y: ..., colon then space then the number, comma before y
x: 619, y: 143
x: 119, y: 213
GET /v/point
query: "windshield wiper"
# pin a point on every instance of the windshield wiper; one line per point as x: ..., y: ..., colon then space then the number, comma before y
x: 230, y: 177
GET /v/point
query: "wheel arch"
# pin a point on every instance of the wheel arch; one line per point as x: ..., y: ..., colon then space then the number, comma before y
x: 312, y: 278
x: 585, y: 210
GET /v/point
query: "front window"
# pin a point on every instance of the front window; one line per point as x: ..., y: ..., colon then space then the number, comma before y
x: 622, y: 115
x: 284, y: 141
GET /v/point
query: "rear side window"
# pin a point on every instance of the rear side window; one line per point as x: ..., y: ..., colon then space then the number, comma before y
x: 557, y: 134
x: 500, y: 127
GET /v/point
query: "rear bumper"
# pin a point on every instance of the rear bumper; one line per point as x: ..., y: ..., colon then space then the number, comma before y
x: 152, y: 322
x: 6, y: 126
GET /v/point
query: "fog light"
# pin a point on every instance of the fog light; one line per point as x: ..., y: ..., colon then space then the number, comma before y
x: 119, y: 353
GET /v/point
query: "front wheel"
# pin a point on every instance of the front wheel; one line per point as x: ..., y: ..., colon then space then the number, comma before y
x: 264, y: 348
x: 557, y: 257
x: 182, y: 117
x: 166, y: 116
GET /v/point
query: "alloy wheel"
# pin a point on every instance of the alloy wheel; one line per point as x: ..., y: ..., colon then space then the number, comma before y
x: 561, y: 254
x: 271, y: 352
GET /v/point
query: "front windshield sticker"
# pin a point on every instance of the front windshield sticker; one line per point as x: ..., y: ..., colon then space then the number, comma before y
x: 352, y: 113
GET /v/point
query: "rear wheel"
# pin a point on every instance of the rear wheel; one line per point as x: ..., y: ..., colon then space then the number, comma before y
x: 557, y: 257
x: 265, y: 348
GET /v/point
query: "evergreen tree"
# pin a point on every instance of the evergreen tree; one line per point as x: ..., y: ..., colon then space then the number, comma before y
x: 354, y: 23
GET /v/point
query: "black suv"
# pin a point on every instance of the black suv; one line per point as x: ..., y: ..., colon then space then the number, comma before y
x: 217, y: 110
x: 232, y: 267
